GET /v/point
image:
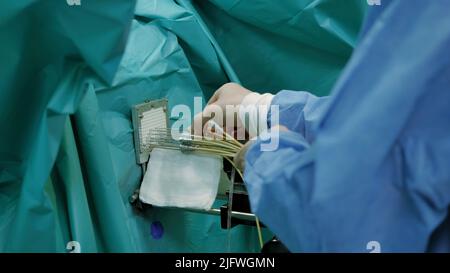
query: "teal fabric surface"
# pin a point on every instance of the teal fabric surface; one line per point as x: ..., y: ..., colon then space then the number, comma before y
x: 69, y: 75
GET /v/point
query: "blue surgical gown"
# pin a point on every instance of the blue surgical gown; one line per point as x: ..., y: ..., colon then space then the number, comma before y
x: 370, y: 163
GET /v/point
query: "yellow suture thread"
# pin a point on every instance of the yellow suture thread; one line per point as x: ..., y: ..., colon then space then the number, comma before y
x: 258, y: 226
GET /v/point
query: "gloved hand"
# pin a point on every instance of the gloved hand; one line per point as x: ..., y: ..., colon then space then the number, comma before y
x: 239, y: 159
x: 229, y: 94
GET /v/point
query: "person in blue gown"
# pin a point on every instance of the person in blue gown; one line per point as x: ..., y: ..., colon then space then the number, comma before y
x: 370, y: 164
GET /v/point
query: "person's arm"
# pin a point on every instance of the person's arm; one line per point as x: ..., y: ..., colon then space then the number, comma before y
x: 304, y: 106
x: 299, y: 111
x: 312, y: 214
x: 279, y: 184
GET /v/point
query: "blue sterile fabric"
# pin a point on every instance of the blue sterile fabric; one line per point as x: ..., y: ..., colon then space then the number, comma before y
x: 377, y: 169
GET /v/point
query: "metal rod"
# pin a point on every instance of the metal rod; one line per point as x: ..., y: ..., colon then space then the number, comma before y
x: 230, y: 207
x: 235, y: 214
